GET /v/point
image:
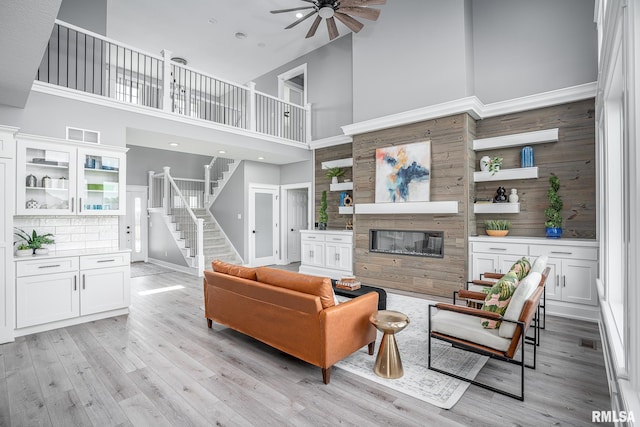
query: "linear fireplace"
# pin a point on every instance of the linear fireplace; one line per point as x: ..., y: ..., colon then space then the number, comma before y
x: 415, y: 243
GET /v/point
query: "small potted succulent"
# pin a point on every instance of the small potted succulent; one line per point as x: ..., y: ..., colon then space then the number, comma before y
x: 334, y: 173
x: 497, y: 227
x: 322, y: 216
x: 35, y: 241
x: 553, y: 223
x: 24, y: 250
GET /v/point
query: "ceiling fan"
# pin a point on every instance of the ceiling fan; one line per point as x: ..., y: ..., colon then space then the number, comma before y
x: 338, y: 9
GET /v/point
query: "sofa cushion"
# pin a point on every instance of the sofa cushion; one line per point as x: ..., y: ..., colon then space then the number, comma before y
x: 234, y: 270
x: 522, y: 293
x: 521, y: 267
x: 468, y: 328
x: 540, y: 264
x: 314, y: 285
x: 498, y: 297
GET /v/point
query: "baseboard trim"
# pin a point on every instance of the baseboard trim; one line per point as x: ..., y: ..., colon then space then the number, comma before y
x: 69, y: 322
x: 183, y: 269
x: 572, y: 311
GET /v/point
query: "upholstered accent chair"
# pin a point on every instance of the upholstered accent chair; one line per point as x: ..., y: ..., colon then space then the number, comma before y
x: 462, y: 327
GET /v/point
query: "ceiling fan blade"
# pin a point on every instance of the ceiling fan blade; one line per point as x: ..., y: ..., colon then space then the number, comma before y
x: 352, y: 24
x: 351, y: 3
x: 300, y: 20
x: 362, y: 12
x: 292, y: 10
x: 333, y: 29
x: 309, y: 1
x: 314, y: 27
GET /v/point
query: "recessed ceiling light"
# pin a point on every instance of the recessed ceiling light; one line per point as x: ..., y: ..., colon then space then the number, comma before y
x: 173, y: 144
x: 221, y: 151
x: 240, y: 35
x: 299, y: 15
x: 260, y: 158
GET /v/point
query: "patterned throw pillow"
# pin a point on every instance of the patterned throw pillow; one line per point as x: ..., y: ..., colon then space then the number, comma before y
x: 521, y: 267
x: 498, y: 298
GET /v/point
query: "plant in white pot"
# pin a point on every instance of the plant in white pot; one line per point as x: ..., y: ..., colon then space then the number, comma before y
x: 24, y: 250
x: 334, y: 173
x: 35, y: 240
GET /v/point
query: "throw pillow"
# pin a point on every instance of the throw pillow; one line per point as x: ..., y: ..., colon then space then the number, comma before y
x: 498, y: 298
x: 522, y: 293
x: 540, y: 264
x: 521, y: 267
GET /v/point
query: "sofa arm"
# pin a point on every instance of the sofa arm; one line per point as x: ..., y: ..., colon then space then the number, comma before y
x: 346, y: 327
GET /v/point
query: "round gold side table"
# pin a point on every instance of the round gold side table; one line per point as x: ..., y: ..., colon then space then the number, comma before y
x: 389, y: 322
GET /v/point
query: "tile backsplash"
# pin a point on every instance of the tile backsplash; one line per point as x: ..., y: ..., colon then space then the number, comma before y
x: 73, y: 232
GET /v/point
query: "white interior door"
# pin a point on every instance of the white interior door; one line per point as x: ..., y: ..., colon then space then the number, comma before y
x: 264, y: 218
x: 297, y: 219
x: 133, y: 226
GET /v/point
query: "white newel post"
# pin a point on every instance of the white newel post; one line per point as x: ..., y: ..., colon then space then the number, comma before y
x: 200, y: 246
x: 150, y: 184
x: 252, y: 106
x: 308, y: 123
x: 166, y: 201
x: 167, y: 78
x: 207, y: 185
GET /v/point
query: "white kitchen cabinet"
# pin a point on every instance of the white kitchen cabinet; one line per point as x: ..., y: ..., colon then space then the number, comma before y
x: 57, y: 291
x: 7, y: 188
x: 58, y: 177
x: 327, y: 253
x: 494, y: 257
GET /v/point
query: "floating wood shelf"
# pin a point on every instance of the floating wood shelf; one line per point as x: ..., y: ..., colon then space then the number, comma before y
x: 345, y: 210
x: 341, y: 186
x: 448, y: 207
x: 506, y: 174
x: 504, y: 208
x: 518, y: 139
x: 340, y: 163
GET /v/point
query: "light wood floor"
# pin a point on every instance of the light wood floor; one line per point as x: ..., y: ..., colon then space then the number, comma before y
x: 162, y: 366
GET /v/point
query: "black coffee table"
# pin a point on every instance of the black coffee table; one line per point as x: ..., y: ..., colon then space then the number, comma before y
x: 364, y: 289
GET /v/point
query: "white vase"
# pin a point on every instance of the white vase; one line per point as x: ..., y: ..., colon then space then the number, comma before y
x: 42, y: 251
x: 24, y: 252
x: 484, y: 163
x: 334, y: 179
x: 513, y: 197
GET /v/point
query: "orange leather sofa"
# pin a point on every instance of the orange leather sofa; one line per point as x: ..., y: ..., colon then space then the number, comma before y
x: 292, y: 312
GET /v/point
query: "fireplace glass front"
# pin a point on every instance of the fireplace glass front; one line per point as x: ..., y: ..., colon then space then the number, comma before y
x: 415, y: 243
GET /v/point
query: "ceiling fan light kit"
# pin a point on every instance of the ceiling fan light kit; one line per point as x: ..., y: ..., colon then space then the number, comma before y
x: 330, y: 10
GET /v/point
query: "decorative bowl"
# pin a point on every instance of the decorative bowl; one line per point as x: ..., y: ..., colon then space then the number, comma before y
x: 497, y: 233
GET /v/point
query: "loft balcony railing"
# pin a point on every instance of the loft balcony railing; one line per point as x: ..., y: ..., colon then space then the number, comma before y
x: 81, y: 60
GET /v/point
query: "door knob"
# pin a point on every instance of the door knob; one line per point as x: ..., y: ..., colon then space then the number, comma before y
x: 292, y: 229
x: 253, y: 231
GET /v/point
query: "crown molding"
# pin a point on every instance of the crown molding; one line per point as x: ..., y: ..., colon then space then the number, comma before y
x: 330, y: 141
x: 470, y: 105
x: 475, y: 108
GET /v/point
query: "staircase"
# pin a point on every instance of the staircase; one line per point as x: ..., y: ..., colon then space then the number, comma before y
x: 188, y: 219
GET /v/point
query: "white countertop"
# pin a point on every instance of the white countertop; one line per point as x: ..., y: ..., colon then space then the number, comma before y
x: 536, y: 240
x: 336, y: 231
x: 77, y: 252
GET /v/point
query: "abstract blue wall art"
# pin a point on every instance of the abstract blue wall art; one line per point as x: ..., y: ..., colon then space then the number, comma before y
x: 403, y: 173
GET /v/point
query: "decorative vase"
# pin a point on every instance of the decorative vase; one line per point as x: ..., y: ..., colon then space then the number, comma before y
x: 334, y: 179
x: 554, y: 232
x: 513, y: 197
x: 322, y: 226
x: 484, y: 163
x: 497, y: 233
x: 526, y: 157
x: 32, y: 204
x: 24, y: 252
x: 42, y: 251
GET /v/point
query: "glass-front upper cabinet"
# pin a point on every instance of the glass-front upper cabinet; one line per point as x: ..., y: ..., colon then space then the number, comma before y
x: 101, y: 185
x: 46, y: 179
x: 62, y: 178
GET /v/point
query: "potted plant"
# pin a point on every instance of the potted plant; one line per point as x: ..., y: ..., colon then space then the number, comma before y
x: 334, y: 173
x: 24, y: 250
x: 322, y: 216
x: 497, y: 227
x: 552, y: 213
x: 495, y: 163
x: 35, y: 240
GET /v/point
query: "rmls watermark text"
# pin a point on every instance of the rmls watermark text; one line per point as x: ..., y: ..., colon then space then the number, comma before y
x: 612, y: 417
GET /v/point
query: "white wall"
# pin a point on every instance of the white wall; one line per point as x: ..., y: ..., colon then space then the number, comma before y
x: 162, y: 245
x: 415, y: 55
x: 228, y: 205
x: 329, y: 85
x: 143, y: 159
x: 524, y: 47
x: 88, y: 14
x: 295, y: 173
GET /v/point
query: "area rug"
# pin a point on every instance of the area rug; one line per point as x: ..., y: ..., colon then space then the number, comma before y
x: 147, y: 269
x: 418, y: 381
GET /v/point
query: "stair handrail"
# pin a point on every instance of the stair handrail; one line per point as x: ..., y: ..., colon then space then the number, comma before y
x: 198, y: 221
